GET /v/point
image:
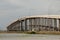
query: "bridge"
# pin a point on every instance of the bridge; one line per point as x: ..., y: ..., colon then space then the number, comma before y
x: 36, y: 23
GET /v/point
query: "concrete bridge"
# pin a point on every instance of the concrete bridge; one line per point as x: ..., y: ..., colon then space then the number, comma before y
x: 36, y: 23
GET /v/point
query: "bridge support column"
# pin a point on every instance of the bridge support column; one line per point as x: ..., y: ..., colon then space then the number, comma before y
x: 22, y: 26
x: 55, y: 24
x: 59, y: 24
x: 26, y: 25
x: 30, y: 24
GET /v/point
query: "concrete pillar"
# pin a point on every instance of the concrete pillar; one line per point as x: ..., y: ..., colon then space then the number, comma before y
x: 18, y: 26
x: 22, y: 26
x: 53, y: 25
x: 48, y: 24
x: 41, y: 23
x: 57, y: 24
x: 37, y: 23
x: 26, y: 25
x: 45, y: 23
x: 34, y: 24
x: 30, y: 24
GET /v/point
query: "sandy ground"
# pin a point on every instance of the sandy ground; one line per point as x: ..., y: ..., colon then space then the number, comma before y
x: 16, y: 36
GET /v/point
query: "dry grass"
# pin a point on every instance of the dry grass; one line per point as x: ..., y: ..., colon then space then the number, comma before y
x: 40, y: 32
x: 49, y: 32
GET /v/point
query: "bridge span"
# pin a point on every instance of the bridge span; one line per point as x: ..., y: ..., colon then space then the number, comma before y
x: 36, y: 23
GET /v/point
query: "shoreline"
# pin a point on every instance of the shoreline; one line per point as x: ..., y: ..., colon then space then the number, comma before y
x: 40, y: 32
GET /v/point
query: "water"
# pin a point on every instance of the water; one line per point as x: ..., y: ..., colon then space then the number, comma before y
x: 28, y: 37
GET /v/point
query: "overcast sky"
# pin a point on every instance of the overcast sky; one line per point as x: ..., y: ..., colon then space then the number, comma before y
x: 14, y: 9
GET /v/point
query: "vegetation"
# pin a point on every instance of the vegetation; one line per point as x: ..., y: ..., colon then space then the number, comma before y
x: 45, y: 32
x: 33, y: 32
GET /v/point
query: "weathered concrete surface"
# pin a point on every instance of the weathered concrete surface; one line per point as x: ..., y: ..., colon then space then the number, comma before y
x: 36, y: 23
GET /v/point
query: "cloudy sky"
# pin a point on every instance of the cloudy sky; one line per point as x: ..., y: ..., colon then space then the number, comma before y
x: 13, y: 9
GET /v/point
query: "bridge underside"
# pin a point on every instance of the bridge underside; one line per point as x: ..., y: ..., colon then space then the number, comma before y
x: 35, y: 24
